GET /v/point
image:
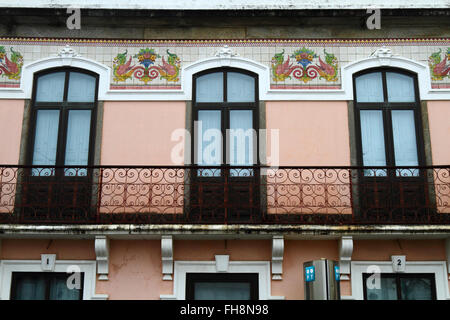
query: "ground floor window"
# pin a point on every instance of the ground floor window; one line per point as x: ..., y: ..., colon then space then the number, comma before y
x: 222, y: 286
x: 44, y: 286
x: 397, y: 286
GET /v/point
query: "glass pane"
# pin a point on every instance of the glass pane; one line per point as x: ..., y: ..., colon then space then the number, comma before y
x: 210, y: 87
x: 240, y: 142
x: 60, y: 291
x: 81, y: 87
x: 46, y: 139
x: 416, y: 288
x: 405, y: 143
x: 50, y: 87
x: 385, y: 289
x: 222, y: 291
x: 28, y: 287
x: 240, y: 87
x: 372, y: 137
x: 400, y: 87
x: 209, y: 143
x: 77, y: 147
x: 369, y: 88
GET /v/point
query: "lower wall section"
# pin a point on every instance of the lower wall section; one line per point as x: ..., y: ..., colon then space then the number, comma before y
x: 135, y: 266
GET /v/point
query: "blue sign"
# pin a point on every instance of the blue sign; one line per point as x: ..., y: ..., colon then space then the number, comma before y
x: 337, y: 273
x: 310, y: 274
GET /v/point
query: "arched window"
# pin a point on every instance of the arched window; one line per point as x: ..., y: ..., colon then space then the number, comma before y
x: 226, y: 112
x: 388, y: 120
x: 389, y: 135
x: 61, y: 134
x: 225, y: 123
x: 63, y: 112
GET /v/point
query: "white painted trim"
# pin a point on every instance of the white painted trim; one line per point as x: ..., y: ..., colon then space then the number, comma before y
x: 439, y: 269
x: 263, y: 72
x: 7, y: 267
x: 102, y: 256
x: 422, y: 71
x: 345, y: 256
x: 277, y: 257
x: 183, y: 267
x: 167, y: 257
x: 28, y: 71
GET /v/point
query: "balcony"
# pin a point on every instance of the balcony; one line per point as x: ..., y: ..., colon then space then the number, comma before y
x: 224, y: 195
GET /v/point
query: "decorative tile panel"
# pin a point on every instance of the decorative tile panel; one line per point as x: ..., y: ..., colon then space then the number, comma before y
x: 157, y: 64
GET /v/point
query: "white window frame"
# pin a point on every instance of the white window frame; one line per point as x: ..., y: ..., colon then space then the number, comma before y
x: 439, y: 268
x: 262, y: 268
x: 88, y: 267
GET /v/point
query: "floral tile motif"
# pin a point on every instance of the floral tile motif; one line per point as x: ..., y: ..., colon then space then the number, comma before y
x: 12, y: 66
x: 439, y: 68
x: 145, y: 69
x: 156, y: 64
x: 304, y: 70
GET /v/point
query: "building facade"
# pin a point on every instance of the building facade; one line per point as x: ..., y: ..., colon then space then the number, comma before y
x: 210, y: 153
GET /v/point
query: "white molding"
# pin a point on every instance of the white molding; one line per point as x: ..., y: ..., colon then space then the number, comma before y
x: 447, y: 254
x: 379, y: 58
x: 387, y: 60
x: 277, y: 257
x: 102, y: 256
x: 439, y: 269
x: 64, y: 59
x: 183, y: 267
x: 345, y: 256
x: 167, y: 257
x: 7, y: 267
x: 261, y: 70
x: 225, y: 52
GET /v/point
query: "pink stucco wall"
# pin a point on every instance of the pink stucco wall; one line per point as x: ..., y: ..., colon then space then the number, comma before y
x: 24, y: 249
x: 11, y: 116
x: 139, y: 133
x: 135, y: 270
x: 312, y: 133
x: 439, y: 119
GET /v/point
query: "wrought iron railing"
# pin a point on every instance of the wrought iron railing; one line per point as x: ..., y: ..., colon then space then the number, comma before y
x: 206, y: 195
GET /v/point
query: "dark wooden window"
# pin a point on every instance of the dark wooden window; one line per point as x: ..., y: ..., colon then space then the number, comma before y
x: 399, y: 286
x: 225, y: 124
x: 222, y: 286
x: 44, y: 286
x: 389, y: 134
x: 62, y: 135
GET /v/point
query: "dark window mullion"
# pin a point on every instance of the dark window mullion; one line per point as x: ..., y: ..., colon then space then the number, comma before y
x: 399, y: 287
x: 61, y: 146
x: 47, y: 286
x: 225, y: 126
x: 389, y: 139
x: 225, y: 87
x: 66, y: 86
x: 385, y: 89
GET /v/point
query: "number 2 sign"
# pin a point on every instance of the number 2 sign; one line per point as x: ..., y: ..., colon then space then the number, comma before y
x: 398, y: 263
